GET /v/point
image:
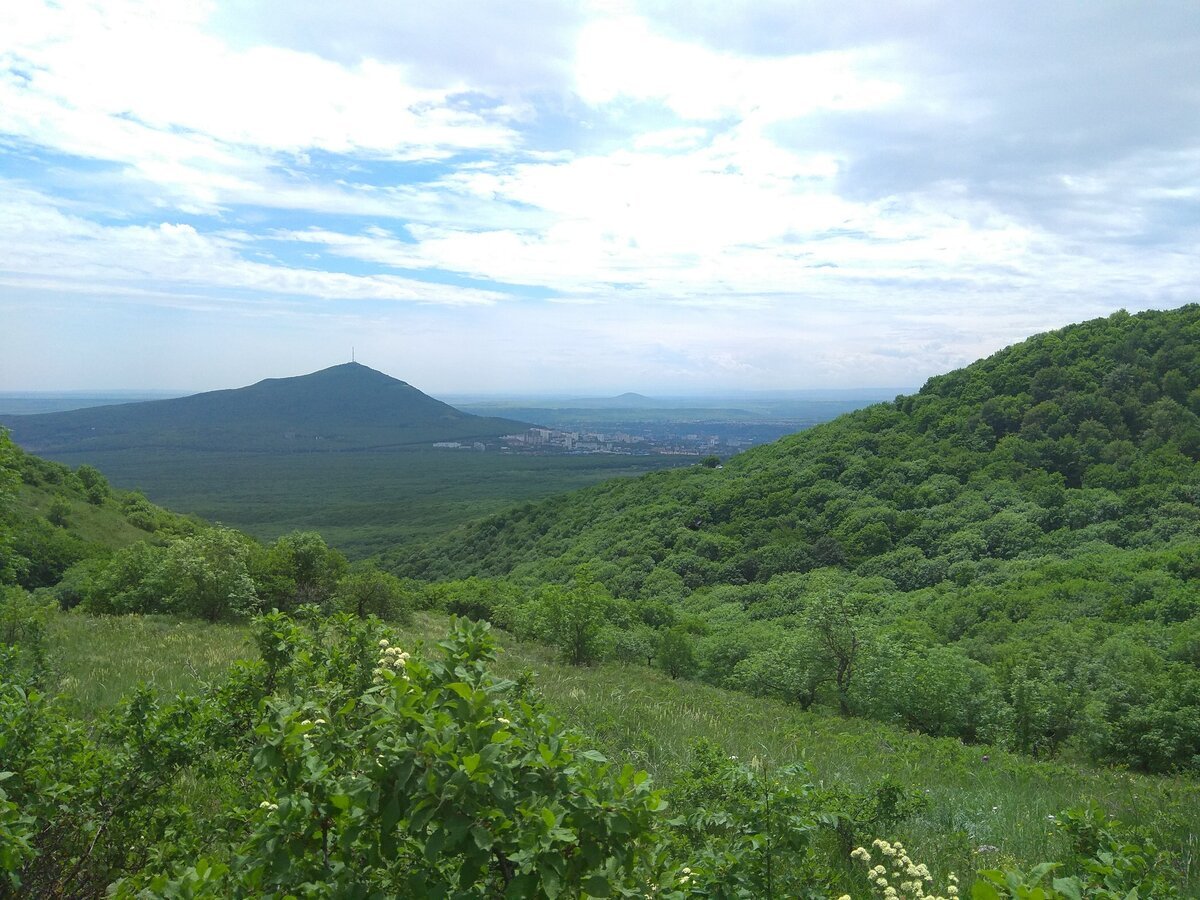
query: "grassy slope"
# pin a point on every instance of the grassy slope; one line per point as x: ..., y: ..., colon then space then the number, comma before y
x: 105, y: 525
x: 639, y: 715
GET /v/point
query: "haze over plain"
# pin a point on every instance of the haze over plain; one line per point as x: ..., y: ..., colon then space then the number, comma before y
x: 605, y: 196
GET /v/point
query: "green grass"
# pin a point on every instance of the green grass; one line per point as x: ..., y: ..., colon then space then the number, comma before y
x: 361, y: 503
x: 105, y: 525
x: 639, y: 715
x: 95, y: 661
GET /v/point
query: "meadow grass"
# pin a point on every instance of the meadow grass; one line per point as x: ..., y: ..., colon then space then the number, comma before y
x: 986, y: 808
x: 104, y: 525
x: 97, y: 660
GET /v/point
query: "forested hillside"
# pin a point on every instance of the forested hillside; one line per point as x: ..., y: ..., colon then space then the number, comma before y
x: 1012, y: 554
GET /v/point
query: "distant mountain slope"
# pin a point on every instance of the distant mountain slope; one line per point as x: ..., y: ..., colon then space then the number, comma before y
x: 346, y: 407
x: 1089, y: 433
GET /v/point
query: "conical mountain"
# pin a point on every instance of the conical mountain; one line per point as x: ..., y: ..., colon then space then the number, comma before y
x: 345, y: 407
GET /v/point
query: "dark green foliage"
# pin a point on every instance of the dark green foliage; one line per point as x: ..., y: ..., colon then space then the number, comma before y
x: 296, y: 570
x: 676, y: 655
x: 367, y: 591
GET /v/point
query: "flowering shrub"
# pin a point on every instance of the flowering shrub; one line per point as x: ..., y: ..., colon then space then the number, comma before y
x: 897, y: 877
x: 435, y: 780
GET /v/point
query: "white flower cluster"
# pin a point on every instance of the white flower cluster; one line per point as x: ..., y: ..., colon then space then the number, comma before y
x: 391, y: 660
x: 910, y: 878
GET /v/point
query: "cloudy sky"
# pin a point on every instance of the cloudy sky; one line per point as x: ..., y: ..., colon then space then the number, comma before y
x: 573, y: 196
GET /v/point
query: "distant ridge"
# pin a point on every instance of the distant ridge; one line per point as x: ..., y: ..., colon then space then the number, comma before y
x: 344, y: 407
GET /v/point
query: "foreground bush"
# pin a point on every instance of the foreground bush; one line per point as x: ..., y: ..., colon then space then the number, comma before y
x: 341, y: 765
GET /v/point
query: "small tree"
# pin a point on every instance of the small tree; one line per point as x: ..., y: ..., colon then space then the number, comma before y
x: 836, y: 618
x: 574, y: 618
x: 298, y: 569
x: 95, y: 487
x: 207, y: 575
x: 59, y: 512
x: 367, y: 591
x: 676, y: 655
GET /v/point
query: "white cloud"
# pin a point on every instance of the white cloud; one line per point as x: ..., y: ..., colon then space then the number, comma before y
x: 621, y: 57
x: 144, y: 85
x: 53, y: 249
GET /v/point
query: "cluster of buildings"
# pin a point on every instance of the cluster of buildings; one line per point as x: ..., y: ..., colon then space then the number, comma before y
x: 550, y: 440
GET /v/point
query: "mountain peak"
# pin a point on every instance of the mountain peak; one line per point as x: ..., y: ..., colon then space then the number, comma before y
x: 347, y: 406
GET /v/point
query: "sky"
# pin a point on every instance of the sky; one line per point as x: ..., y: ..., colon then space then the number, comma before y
x: 593, y: 197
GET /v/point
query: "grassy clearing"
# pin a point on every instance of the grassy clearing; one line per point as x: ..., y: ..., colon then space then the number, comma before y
x: 95, y: 661
x: 978, y: 797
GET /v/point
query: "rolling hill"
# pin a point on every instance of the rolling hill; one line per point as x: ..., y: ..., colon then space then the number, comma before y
x: 345, y: 407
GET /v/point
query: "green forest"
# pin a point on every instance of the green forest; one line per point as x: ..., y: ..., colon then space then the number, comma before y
x: 983, y: 595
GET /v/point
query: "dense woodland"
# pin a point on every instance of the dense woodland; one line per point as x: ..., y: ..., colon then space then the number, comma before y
x: 1009, y: 558
x: 1010, y: 555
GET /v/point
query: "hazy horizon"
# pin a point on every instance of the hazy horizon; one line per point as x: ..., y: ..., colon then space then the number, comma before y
x: 587, y: 197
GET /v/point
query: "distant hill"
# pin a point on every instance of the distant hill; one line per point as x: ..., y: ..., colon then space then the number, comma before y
x: 628, y: 400
x: 345, y: 407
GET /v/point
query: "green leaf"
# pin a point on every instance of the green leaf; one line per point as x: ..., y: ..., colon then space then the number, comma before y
x: 463, y: 690
x: 471, y: 763
x: 598, y: 886
x: 482, y: 837
x: 1069, y: 888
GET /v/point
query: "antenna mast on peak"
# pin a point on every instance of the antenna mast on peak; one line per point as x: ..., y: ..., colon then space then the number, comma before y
x: 352, y: 353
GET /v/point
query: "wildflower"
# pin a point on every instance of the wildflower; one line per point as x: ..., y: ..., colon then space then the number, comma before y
x: 504, y: 721
x: 318, y: 721
x: 952, y: 890
x: 861, y: 853
x: 383, y: 642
